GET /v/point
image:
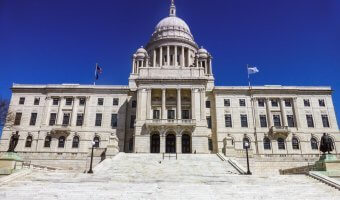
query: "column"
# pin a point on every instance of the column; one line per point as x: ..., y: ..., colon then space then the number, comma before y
x: 161, y: 56
x: 197, y: 62
x: 189, y: 58
x: 46, y: 115
x: 175, y: 59
x: 182, y: 59
x: 86, y: 111
x: 178, y: 143
x: 148, y: 104
x: 60, y: 113
x: 193, y: 112
x: 283, y: 113
x: 269, y: 117
x: 74, y: 111
x: 162, y: 143
x: 154, y: 57
x: 133, y: 66
x: 210, y: 66
x: 163, y: 103
x: 203, y: 116
x: 179, y: 104
x: 296, y: 113
x: 168, y: 55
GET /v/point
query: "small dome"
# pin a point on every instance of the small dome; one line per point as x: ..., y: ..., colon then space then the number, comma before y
x: 203, y: 53
x: 141, y: 53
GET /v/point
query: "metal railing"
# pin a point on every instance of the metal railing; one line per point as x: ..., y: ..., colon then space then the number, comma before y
x: 171, y: 121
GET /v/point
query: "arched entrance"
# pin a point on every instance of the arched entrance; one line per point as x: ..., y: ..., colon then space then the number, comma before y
x: 155, y: 143
x: 186, y: 143
x: 170, y: 143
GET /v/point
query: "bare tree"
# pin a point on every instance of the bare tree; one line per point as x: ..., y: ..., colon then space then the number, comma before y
x: 6, y: 117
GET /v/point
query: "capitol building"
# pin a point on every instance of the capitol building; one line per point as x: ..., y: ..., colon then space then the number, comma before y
x: 171, y: 105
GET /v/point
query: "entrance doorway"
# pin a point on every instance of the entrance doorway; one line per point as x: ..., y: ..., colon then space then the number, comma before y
x: 186, y: 143
x: 170, y: 143
x: 155, y: 143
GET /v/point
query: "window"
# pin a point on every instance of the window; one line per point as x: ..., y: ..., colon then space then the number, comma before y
x: 261, y: 102
x: 114, y: 120
x: 325, y: 121
x: 242, y: 102
x: 47, y: 142
x: 80, y: 119
x: 210, y: 144
x: 134, y: 104
x: 100, y: 102
x: 132, y: 121
x: 22, y: 101
x: 115, y: 102
x: 288, y: 103
x: 36, y: 101
x: 17, y: 119
x: 228, y: 120
x: 53, y: 117
x: 171, y: 114
x: 61, y: 142
x: 310, y: 121
x: 99, y: 117
x: 263, y: 121
x: 209, y: 121
x: 55, y: 101
x: 82, y: 101
x: 281, y: 144
x: 69, y: 101
x: 207, y: 104
x: 96, y: 142
x: 227, y: 102
x: 291, y: 120
x: 33, y: 119
x: 75, y: 142
x: 295, y: 143
x: 156, y: 114
x: 28, y: 142
x: 277, y: 120
x: 246, y: 140
x: 314, y: 143
x: 266, y: 143
x: 185, y: 114
x: 306, y: 102
x: 66, y: 119
x: 244, y: 121
x: 275, y: 103
x: 322, y: 103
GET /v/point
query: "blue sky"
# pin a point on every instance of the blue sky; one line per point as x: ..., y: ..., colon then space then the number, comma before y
x: 293, y: 42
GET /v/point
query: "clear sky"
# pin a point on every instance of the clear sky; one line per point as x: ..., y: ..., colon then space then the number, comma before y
x: 292, y: 42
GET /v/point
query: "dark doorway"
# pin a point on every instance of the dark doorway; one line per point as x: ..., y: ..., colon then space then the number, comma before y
x: 170, y: 143
x: 155, y: 143
x: 186, y: 143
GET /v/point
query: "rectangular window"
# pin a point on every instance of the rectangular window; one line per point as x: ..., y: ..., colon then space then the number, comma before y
x: 69, y: 101
x: 80, y: 119
x: 306, y: 102
x: 263, y: 121
x: 275, y: 103
x: 82, y: 101
x: 36, y: 101
x: 310, y: 121
x: 99, y: 117
x: 288, y: 103
x: 114, y: 120
x: 322, y: 103
x: 53, y: 118
x: 261, y: 102
x: 22, y: 101
x: 55, y: 101
x: 209, y: 121
x: 244, y: 121
x: 185, y: 114
x: 242, y: 102
x: 207, y: 104
x: 33, y: 119
x: 66, y: 119
x: 277, y: 120
x: 17, y: 119
x: 291, y: 120
x: 325, y: 121
x: 227, y: 102
x: 132, y: 121
x: 171, y: 114
x: 156, y: 114
x: 134, y: 104
x: 115, y: 102
x: 228, y: 121
x: 100, y: 102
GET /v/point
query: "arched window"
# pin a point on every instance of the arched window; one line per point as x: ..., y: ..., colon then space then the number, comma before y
x: 295, y: 143
x: 281, y: 144
x: 47, y: 141
x: 266, y: 143
x: 28, y: 141
x: 246, y: 140
x: 314, y: 143
x: 96, y: 141
x: 75, y: 142
x: 61, y: 142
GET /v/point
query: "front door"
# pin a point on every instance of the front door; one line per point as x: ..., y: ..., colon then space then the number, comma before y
x: 155, y: 143
x: 170, y: 143
x: 186, y: 145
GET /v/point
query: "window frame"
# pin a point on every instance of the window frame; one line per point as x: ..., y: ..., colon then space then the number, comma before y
x: 263, y: 124
x: 33, y: 119
x: 114, y: 124
x: 22, y: 100
x: 228, y: 121
x: 242, y: 102
x: 98, y: 120
x: 244, y: 121
x: 28, y: 142
x: 115, y: 101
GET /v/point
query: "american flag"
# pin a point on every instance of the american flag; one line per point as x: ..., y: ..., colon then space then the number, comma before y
x: 99, y: 70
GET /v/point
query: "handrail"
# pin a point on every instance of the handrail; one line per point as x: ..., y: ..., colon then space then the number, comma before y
x: 325, y: 179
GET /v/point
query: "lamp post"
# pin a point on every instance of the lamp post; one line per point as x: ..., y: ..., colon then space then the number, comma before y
x: 90, y: 171
x: 246, y: 145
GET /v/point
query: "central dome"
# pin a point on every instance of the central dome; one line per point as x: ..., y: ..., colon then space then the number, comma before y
x: 174, y: 23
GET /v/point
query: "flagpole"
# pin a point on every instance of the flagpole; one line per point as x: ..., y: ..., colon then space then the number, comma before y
x: 95, y: 74
x: 252, y: 110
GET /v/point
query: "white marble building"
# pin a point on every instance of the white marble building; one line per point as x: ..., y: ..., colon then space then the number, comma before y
x: 170, y: 105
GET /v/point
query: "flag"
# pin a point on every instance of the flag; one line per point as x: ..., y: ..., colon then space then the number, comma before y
x: 253, y: 70
x: 98, y: 71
